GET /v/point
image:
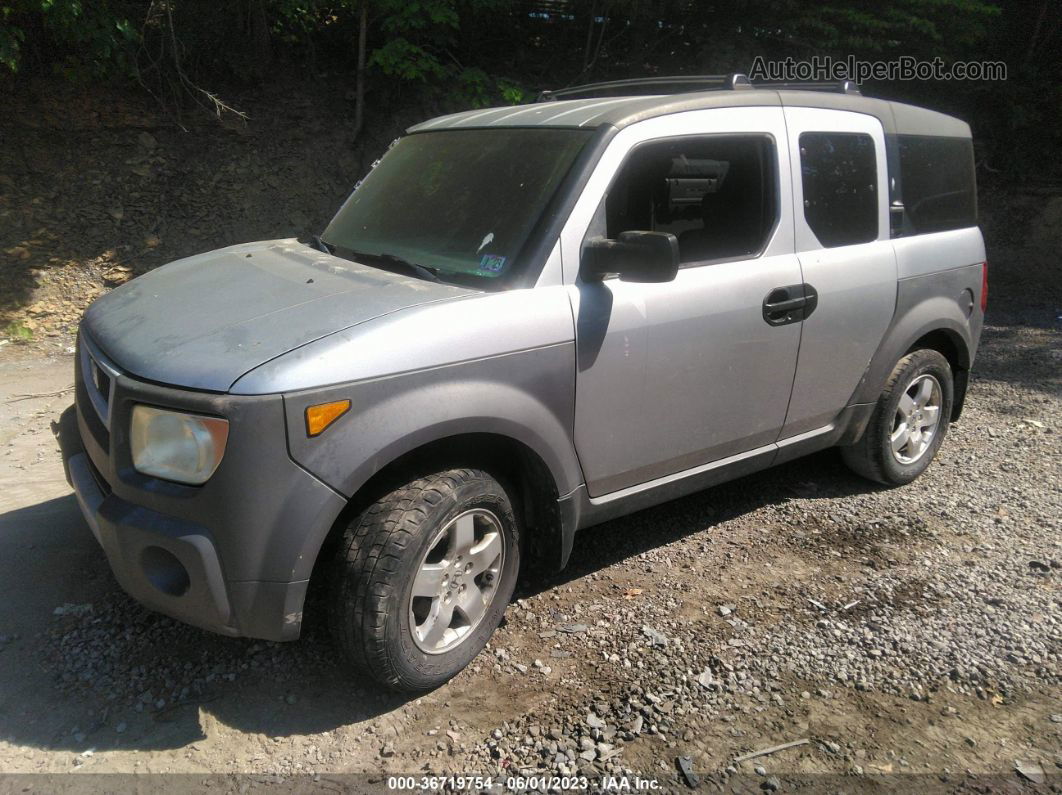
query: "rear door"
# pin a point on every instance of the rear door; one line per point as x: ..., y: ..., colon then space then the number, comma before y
x: 841, y: 231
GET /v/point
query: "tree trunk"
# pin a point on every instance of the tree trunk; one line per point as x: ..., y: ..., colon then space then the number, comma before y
x: 589, y: 35
x: 359, y: 82
x: 261, y: 47
x: 1030, y: 52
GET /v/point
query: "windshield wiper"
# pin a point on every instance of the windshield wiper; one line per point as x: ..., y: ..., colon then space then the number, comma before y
x: 423, y: 271
x: 320, y: 245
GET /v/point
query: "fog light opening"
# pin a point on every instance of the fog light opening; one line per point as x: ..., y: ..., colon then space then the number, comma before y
x: 164, y: 571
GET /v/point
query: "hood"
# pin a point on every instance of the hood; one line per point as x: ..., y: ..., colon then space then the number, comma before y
x: 204, y: 321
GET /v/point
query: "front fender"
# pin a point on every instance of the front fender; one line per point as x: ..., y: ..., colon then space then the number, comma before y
x: 527, y: 396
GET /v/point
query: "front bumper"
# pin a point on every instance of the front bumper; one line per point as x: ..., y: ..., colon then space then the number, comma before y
x: 233, y: 556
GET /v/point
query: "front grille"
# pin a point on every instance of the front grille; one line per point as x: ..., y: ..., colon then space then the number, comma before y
x: 98, y: 376
x: 102, y: 381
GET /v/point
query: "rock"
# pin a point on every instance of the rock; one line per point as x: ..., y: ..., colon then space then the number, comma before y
x: 760, y: 770
x: 388, y: 750
x: 121, y: 727
x: 685, y: 766
x: 1030, y: 771
x: 72, y: 610
x: 771, y: 784
x: 594, y: 722
x: 656, y: 639
x: 573, y: 629
x: 725, y: 610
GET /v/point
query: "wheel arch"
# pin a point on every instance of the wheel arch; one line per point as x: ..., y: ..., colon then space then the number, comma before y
x: 949, y: 344
x: 521, y: 470
x: 936, y: 323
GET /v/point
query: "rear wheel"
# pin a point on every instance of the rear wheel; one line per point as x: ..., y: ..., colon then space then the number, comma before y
x: 909, y: 422
x: 423, y: 577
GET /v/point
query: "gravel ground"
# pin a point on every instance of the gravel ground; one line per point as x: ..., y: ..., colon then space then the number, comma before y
x: 913, y: 630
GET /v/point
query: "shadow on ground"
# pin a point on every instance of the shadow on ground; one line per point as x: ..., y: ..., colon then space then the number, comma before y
x: 68, y: 681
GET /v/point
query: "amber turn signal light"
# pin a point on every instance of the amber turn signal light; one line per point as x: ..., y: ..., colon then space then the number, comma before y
x: 322, y: 415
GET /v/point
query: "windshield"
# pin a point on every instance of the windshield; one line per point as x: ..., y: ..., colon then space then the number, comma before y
x: 457, y: 201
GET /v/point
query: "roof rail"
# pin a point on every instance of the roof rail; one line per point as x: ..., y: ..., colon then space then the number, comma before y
x: 838, y: 87
x: 648, y: 86
x: 681, y: 84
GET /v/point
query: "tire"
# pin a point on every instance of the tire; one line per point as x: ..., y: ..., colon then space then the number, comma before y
x: 413, y: 536
x: 873, y: 455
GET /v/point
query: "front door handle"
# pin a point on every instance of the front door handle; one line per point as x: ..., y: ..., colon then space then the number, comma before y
x: 789, y: 304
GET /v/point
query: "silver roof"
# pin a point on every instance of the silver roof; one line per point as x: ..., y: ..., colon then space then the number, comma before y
x: 895, y: 117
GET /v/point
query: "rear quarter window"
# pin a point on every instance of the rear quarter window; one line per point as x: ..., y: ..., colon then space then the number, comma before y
x: 937, y: 183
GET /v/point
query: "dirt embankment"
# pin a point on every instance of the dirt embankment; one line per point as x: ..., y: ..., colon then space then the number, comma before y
x: 96, y: 188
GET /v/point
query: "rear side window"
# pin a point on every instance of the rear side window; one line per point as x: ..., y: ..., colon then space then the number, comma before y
x: 840, y: 178
x: 937, y: 182
x: 716, y: 194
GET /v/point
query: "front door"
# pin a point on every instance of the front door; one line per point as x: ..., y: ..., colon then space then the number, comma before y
x: 675, y: 375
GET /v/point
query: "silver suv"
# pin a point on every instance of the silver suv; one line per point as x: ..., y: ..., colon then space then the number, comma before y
x: 525, y: 321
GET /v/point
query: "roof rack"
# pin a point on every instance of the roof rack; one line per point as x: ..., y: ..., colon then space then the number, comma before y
x: 681, y: 84
x: 837, y: 87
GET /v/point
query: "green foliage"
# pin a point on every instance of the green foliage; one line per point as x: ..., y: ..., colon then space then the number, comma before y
x: 16, y: 332
x: 476, y: 88
x: 477, y: 53
x: 401, y: 58
x: 920, y: 28
x: 11, y: 38
x: 93, y: 39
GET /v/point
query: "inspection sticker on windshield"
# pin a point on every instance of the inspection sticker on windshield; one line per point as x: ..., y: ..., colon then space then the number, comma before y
x: 492, y: 263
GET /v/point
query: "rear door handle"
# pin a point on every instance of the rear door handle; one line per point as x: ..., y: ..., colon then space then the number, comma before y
x: 789, y: 304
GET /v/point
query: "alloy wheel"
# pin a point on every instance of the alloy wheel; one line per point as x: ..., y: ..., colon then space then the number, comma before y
x: 456, y: 581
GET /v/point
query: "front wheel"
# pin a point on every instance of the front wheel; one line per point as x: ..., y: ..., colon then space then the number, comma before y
x: 909, y: 422
x: 423, y: 577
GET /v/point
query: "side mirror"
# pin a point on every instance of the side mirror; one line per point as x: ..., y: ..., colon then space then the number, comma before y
x: 635, y: 257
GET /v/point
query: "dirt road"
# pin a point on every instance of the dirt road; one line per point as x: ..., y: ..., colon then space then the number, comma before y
x: 902, y: 632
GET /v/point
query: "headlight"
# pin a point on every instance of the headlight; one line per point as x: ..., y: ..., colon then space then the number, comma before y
x: 186, y: 448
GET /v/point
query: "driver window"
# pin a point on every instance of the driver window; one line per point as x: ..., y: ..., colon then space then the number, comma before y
x: 716, y: 194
